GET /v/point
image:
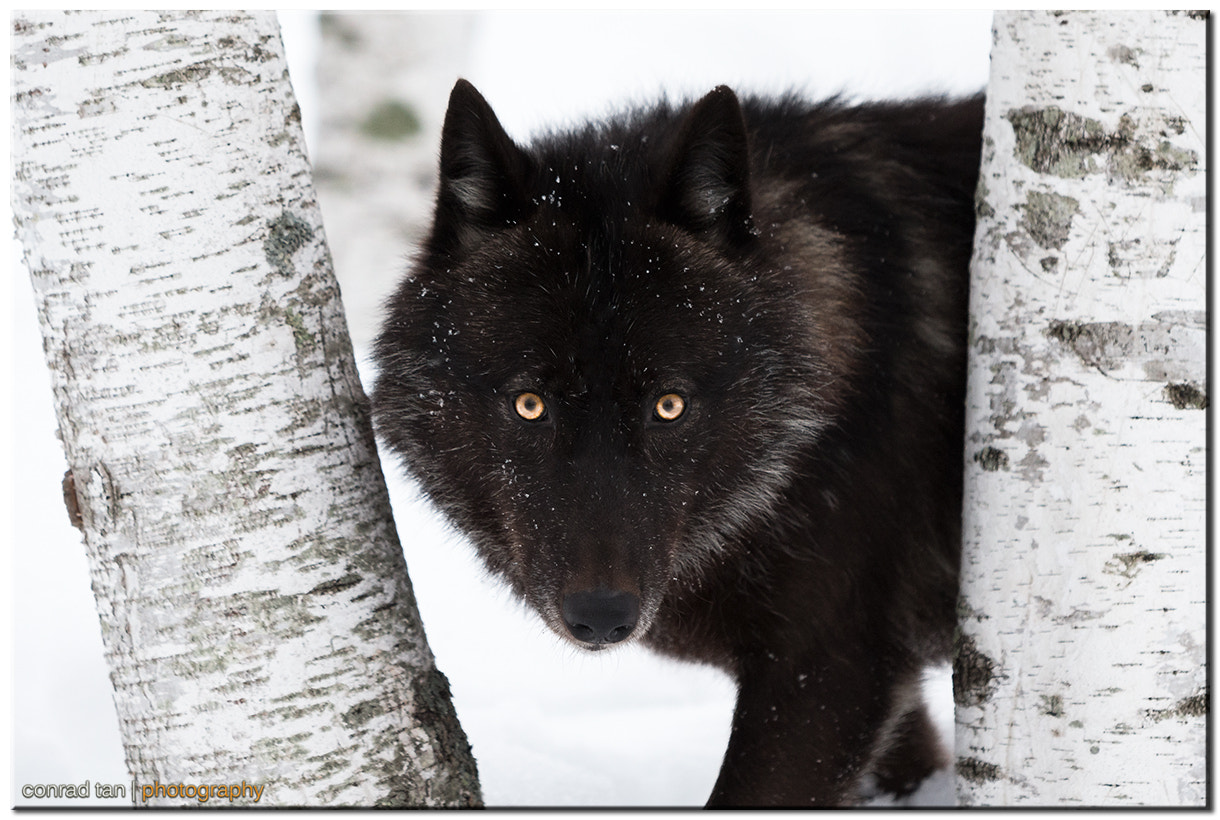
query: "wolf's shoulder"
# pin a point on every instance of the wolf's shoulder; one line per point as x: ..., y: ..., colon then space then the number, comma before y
x: 783, y: 128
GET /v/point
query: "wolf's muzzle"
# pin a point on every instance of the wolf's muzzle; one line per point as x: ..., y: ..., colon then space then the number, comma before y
x: 600, y: 616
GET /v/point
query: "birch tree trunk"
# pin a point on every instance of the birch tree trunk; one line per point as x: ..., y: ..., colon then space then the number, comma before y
x: 383, y: 86
x: 255, y: 609
x: 1080, y: 676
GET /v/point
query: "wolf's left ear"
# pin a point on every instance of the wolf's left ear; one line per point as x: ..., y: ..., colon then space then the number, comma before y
x: 483, y: 172
x: 706, y: 184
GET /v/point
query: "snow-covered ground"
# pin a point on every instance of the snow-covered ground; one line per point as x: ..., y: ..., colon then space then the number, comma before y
x: 549, y: 725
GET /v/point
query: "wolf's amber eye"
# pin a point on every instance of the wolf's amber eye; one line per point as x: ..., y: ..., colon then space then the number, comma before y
x: 669, y: 407
x: 530, y: 406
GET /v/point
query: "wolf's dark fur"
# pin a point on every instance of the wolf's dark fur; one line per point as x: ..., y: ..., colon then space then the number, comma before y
x: 796, y: 275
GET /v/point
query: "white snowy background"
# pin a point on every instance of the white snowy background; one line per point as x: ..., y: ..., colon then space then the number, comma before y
x: 549, y: 725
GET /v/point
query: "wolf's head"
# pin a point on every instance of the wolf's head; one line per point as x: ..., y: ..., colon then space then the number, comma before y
x: 604, y: 366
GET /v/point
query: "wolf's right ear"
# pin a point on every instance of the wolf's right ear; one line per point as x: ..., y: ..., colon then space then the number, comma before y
x: 483, y: 173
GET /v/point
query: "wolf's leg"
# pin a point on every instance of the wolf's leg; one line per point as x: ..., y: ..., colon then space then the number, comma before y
x: 802, y: 738
x: 913, y: 752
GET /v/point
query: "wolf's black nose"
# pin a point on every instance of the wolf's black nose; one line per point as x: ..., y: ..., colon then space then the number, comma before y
x: 600, y: 616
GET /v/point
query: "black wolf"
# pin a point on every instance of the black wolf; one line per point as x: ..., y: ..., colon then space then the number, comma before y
x: 695, y: 376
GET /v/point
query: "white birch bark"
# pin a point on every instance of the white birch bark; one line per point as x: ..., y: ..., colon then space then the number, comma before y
x: 383, y: 86
x: 1080, y: 677
x: 255, y: 608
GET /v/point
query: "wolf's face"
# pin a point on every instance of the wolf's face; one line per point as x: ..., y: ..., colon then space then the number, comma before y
x: 593, y: 371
